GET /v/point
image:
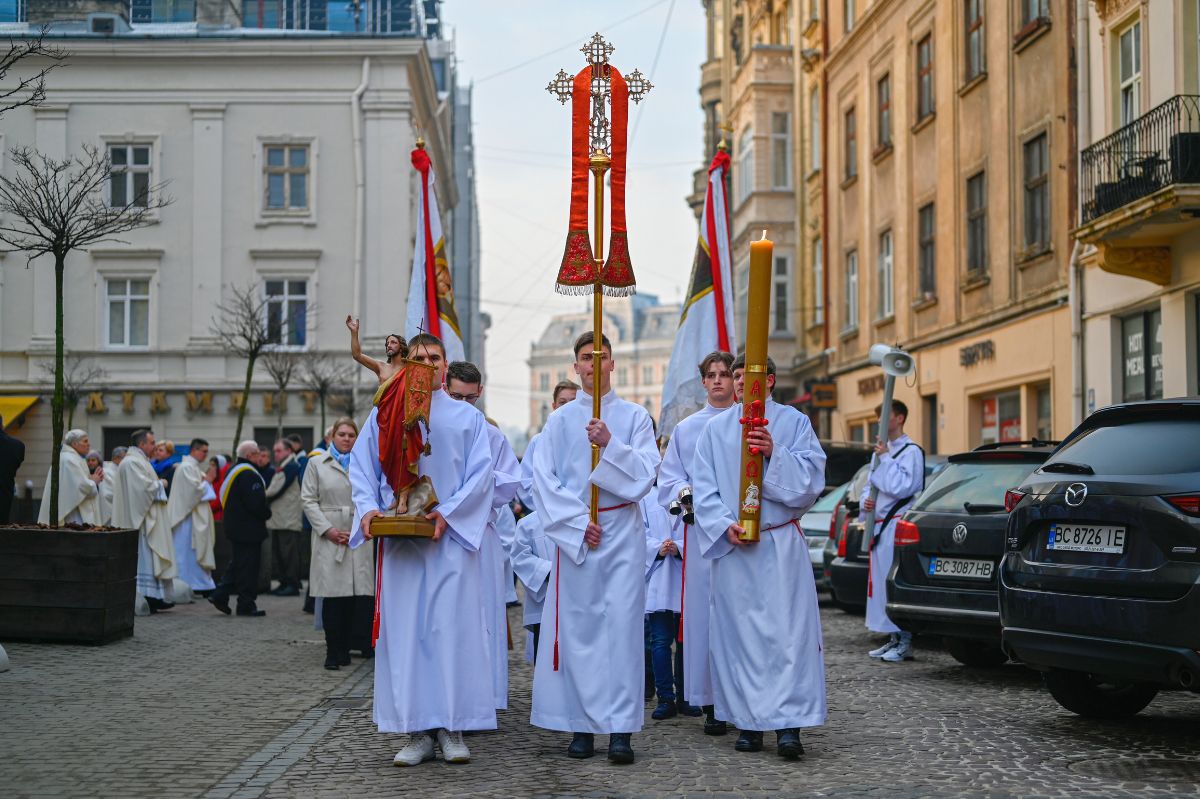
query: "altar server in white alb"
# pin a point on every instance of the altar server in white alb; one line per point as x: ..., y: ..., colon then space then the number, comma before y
x: 140, y: 503
x: 674, y: 475
x: 533, y: 560
x: 191, y: 518
x: 464, y: 382
x: 898, y: 474
x: 591, y: 659
x: 78, y: 490
x: 432, y: 639
x: 768, y: 667
x: 563, y: 393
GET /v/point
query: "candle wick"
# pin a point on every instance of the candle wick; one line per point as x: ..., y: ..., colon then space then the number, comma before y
x: 764, y: 235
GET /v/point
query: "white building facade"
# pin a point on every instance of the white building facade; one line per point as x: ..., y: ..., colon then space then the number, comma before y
x: 286, y: 157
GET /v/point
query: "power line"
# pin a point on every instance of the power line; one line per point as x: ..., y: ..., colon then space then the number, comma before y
x: 662, y: 37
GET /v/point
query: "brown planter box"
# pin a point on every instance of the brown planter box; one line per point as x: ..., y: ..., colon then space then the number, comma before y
x: 67, y: 585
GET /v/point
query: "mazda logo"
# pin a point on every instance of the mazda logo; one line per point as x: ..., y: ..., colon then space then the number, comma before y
x: 959, y: 533
x: 1076, y: 494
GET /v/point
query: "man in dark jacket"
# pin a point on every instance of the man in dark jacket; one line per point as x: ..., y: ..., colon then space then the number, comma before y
x: 12, y: 452
x: 244, y: 497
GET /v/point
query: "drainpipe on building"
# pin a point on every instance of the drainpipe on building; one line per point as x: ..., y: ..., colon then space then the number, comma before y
x: 1083, y: 131
x: 827, y: 248
x: 360, y: 204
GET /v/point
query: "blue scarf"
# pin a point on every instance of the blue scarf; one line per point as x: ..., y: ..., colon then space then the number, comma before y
x: 342, y: 458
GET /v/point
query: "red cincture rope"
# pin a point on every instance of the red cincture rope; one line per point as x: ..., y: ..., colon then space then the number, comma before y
x: 378, y: 591
x: 682, y: 585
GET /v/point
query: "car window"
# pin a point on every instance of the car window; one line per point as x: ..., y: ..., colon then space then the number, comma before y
x: 827, y: 503
x: 973, y: 482
x: 1147, y: 447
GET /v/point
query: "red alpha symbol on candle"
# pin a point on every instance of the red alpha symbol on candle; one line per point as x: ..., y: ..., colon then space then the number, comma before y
x: 752, y: 469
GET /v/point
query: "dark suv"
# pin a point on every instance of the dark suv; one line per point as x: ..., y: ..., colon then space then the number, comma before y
x: 948, y: 545
x: 1100, y: 586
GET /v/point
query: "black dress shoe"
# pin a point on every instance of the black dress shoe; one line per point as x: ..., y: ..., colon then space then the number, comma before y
x: 789, y: 746
x: 619, y: 750
x: 367, y: 653
x: 310, y: 605
x: 686, y: 709
x: 158, y: 604
x: 665, y: 710
x: 286, y: 590
x: 582, y: 745
x: 344, y: 658
x: 749, y: 741
x: 711, y: 725
x: 220, y: 604
x: 331, y: 662
x: 254, y: 614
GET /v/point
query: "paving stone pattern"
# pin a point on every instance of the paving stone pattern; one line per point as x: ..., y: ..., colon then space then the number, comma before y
x: 200, y: 705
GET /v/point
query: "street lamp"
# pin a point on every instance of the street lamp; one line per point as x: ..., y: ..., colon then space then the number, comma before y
x: 895, y: 362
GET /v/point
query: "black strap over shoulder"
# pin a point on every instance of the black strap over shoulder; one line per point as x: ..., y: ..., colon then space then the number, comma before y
x: 891, y: 514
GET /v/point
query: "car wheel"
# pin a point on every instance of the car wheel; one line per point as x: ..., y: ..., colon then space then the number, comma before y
x: 979, y: 654
x: 1098, y: 697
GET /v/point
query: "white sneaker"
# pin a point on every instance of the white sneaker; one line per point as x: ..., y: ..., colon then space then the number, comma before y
x: 454, y: 749
x: 903, y: 650
x: 418, y: 749
x: 892, y: 640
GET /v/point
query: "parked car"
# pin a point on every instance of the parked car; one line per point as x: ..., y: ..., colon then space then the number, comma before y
x: 815, y: 526
x: 1100, y: 584
x: 949, y: 544
x: 843, y: 459
x: 848, y: 569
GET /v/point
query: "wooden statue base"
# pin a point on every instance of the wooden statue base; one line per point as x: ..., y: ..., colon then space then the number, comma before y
x: 410, y: 526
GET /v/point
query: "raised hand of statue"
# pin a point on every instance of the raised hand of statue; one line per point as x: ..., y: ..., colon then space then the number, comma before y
x: 352, y: 323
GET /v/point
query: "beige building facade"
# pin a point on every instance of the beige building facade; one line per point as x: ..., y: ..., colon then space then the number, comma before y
x: 1139, y: 228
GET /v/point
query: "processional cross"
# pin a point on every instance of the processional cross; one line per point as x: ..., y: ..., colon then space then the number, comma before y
x: 598, y: 143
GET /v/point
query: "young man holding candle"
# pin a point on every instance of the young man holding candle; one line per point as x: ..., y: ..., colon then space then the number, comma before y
x: 674, y: 475
x: 588, y: 676
x: 764, y: 616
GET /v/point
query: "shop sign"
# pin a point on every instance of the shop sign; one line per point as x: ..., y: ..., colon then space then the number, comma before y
x: 870, y: 385
x: 824, y: 395
x: 973, y: 354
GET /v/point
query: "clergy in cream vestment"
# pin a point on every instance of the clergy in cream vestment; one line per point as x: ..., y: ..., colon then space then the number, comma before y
x: 191, y: 520
x: 140, y: 502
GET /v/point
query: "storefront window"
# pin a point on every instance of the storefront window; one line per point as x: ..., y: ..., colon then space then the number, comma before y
x: 1000, y: 419
x: 1141, y: 356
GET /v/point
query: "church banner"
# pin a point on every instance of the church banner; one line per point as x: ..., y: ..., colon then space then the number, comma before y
x: 431, y: 289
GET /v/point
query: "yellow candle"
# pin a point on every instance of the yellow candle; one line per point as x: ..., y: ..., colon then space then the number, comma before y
x: 754, y: 394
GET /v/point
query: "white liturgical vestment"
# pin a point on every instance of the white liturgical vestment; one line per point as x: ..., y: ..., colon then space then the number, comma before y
x: 493, y: 554
x: 898, y: 476
x: 595, y: 602
x: 140, y: 503
x: 768, y: 667
x: 78, y: 495
x: 432, y: 657
x: 191, y: 520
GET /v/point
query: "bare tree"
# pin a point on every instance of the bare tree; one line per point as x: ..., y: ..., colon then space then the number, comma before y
x: 324, y: 374
x: 79, y: 378
x: 282, y: 366
x: 241, y: 327
x: 53, y: 207
x: 31, y: 89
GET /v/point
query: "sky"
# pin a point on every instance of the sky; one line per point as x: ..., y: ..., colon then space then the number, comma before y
x: 509, y: 51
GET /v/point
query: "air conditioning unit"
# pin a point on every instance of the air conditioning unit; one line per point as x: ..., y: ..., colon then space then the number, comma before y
x: 103, y: 24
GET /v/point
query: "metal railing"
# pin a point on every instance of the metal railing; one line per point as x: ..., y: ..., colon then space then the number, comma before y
x: 1160, y: 148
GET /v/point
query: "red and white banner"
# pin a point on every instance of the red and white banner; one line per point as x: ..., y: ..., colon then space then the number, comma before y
x: 706, y: 323
x: 431, y: 289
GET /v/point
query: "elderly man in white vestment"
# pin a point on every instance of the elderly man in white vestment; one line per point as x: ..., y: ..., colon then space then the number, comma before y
x: 768, y: 667
x: 591, y: 658
x: 432, y: 635
x: 674, y: 475
x: 465, y: 383
x: 140, y: 503
x: 191, y: 518
x: 78, y: 490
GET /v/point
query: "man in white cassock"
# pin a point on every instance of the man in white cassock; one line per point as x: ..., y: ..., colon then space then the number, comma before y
x: 897, y: 475
x: 78, y: 490
x: 591, y: 659
x: 432, y: 635
x: 465, y: 383
x: 532, y: 560
x: 563, y: 393
x: 768, y: 667
x: 191, y: 518
x: 140, y: 503
x: 675, y: 475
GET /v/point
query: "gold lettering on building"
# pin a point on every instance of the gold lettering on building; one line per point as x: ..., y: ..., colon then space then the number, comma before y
x: 158, y: 402
x: 127, y: 401
x: 199, y: 401
x: 274, y: 403
x: 236, y: 400
x: 95, y: 402
x: 310, y: 401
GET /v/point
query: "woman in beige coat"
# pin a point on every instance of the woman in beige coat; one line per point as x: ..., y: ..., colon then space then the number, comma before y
x: 343, y: 578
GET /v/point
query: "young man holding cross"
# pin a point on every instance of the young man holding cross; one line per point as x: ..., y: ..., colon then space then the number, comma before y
x: 588, y: 677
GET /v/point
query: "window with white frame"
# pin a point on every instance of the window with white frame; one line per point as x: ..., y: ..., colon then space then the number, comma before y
x: 129, y: 182
x: 885, y: 279
x: 814, y: 130
x: 745, y: 165
x: 128, y: 312
x: 647, y: 374
x: 781, y: 294
x: 851, y: 295
x: 287, y: 312
x: 1129, y: 55
x: 286, y: 170
x: 544, y: 381
x: 818, y: 302
x: 781, y: 150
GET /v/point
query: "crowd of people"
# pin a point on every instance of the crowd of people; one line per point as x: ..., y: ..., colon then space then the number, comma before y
x: 622, y: 599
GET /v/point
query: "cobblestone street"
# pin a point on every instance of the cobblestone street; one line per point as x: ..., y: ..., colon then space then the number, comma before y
x: 200, y: 705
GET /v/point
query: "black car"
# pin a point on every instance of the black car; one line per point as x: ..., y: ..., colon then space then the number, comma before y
x: 1100, y: 586
x: 843, y: 459
x: 848, y: 569
x: 948, y: 544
